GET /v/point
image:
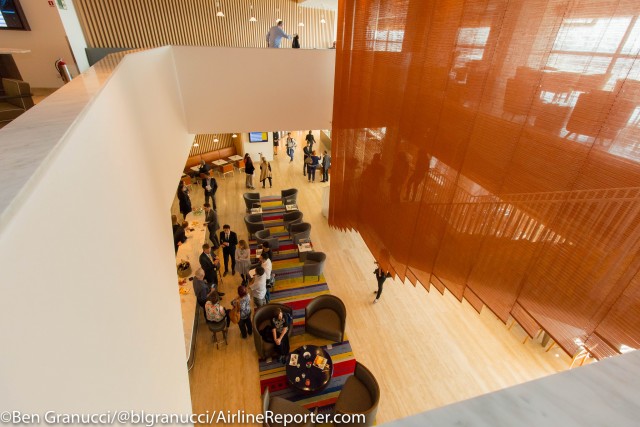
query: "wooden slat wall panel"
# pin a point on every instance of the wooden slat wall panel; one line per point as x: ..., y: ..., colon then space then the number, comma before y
x: 153, y: 23
x: 207, y: 145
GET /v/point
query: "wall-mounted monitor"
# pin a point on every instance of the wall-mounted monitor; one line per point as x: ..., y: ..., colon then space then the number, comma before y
x: 258, y: 136
x: 12, y: 17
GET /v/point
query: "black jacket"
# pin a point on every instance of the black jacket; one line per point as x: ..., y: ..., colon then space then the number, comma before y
x: 210, y: 269
x: 233, y: 239
x: 214, y: 185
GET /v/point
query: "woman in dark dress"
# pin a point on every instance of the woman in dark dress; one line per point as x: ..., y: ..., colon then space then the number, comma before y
x: 249, y: 169
x: 184, y: 200
x: 277, y: 333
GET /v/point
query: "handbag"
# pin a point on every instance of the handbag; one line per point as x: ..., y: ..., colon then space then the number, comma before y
x: 234, y: 315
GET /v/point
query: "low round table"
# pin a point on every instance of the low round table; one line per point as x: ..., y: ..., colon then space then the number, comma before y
x: 305, y: 376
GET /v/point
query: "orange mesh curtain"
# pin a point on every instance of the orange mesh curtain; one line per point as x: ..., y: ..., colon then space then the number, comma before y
x: 492, y: 148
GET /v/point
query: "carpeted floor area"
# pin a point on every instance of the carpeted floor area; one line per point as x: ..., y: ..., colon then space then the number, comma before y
x: 291, y: 290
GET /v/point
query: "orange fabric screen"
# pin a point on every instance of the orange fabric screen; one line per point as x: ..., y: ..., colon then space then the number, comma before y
x: 492, y: 147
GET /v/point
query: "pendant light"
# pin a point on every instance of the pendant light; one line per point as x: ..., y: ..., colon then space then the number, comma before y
x: 219, y: 13
x: 252, y: 18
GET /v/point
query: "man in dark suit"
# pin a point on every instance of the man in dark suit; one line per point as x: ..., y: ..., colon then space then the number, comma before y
x: 229, y: 240
x: 210, y: 187
x: 211, y: 221
x: 307, y: 153
x: 210, y: 263
x: 326, y: 164
x: 180, y: 236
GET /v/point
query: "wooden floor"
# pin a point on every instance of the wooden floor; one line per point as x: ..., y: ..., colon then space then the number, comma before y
x: 425, y: 349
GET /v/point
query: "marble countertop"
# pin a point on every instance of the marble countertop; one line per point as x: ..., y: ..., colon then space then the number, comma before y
x: 190, y: 251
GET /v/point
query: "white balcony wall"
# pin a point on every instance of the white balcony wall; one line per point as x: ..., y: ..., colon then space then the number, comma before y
x: 89, y: 310
x: 255, y: 90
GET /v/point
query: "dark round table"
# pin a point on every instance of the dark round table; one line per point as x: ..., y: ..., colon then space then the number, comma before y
x: 305, y: 376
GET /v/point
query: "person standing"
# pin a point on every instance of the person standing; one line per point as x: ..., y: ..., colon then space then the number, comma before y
x: 265, y: 172
x: 210, y: 263
x: 381, y: 276
x: 210, y: 187
x: 276, y: 143
x: 291, y: 146
x: 246, y: 328
x: 211, y: 221
x: 243, y: 262
x: 249, y: 169
x: 229, y: 240
x: 174, y: 223
x: 326, y: 164
x: 310, y: 140
x: 183, y: 199
x: 313, y: 165
x: 296, y: 42
x: 305, y: 160
x: 276, y: 34
x: 258, y: 287
x: 180, y: 236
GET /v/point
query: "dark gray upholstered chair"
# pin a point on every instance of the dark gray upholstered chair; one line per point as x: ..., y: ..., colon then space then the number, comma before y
x: 254, y: 223
x: 300, y: 231
x: 261, y: 319
x: 278, y: 405
x: 313, y: 264
x: 289, y: 196
x: 360, y: 395
x: 289, y: 218
x: 251, y: 200
x: 265, y: 236
x: 326, y: 317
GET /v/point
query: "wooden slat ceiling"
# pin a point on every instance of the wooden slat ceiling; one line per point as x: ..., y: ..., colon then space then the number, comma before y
x: 206, y: 143
x: 153, y: 23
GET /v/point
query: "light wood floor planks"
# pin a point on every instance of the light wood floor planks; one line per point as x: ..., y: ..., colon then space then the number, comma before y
x: 426, y: 349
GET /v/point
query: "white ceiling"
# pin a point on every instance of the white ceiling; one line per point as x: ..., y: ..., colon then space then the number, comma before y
x: 319, y: 4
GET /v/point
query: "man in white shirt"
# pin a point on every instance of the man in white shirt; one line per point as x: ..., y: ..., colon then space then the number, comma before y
x: 275, y: 35
x: 258, y: 287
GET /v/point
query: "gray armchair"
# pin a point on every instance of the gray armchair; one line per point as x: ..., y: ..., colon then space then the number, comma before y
x: 251, y: 200
x: 360, y: 395
x: 326, y: 317
x: 278, y: 405
x: 299, y: 231
x: 265, y: 236
x: 313, y: 264
x: 254, y: 223
x: 289, y: 196
x: 261, y: 319
x: 289, y: 218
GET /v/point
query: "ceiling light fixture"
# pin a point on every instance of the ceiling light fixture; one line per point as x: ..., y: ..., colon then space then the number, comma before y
x: 219, y: 13
x: 322, y: 21
x: 234, y: 136
x: 215, y: 140
x: 252, y: 18
x: 195, y: 144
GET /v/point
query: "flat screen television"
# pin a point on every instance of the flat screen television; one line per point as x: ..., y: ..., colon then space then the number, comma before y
x: 258, y: 136
x: 12, y: 17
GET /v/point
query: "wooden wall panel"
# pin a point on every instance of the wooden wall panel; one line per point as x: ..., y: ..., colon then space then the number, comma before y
x: 206, y: 143
x: 153, y: 23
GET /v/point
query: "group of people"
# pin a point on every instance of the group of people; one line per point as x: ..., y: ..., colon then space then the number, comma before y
x: 265, y: 172
x: 311, y: 160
